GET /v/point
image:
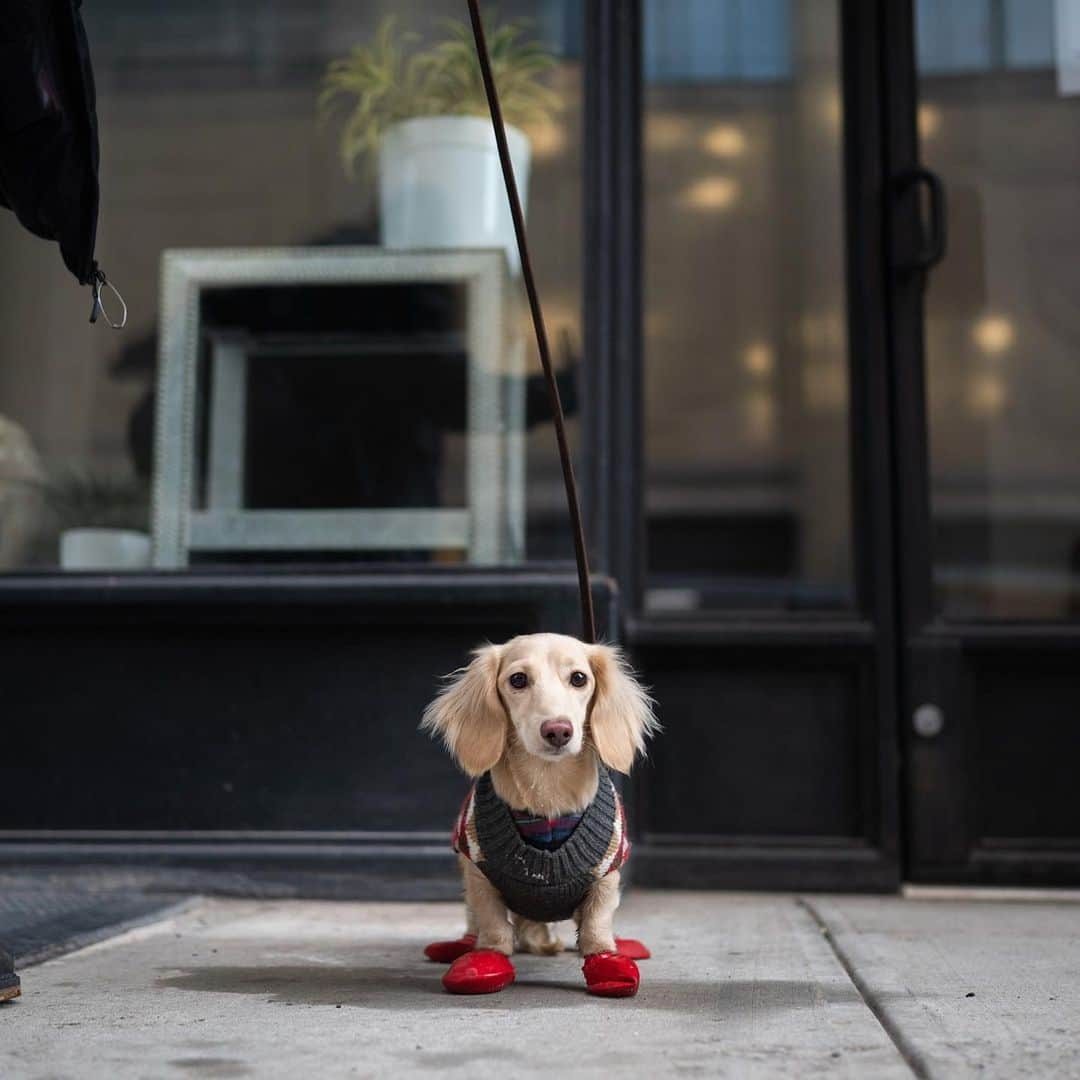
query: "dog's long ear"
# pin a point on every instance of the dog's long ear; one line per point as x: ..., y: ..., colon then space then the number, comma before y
x: 469, y: 714
x: 621, y: 714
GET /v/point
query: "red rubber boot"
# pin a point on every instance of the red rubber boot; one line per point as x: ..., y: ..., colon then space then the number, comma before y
x: 446, y: 952
x: 482, y: 971
x: 631, y: 948
x: 610, y: 975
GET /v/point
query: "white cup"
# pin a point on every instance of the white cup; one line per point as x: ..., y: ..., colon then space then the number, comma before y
x: 104, y: 549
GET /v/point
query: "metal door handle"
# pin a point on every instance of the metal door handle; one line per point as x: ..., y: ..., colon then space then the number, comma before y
x: 932, y: 250
x: 928, y: 721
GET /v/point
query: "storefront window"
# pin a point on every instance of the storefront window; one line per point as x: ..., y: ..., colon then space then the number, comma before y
x: 288, y: 388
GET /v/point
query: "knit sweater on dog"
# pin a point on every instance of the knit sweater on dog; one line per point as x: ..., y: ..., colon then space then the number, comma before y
x: 543, y: 878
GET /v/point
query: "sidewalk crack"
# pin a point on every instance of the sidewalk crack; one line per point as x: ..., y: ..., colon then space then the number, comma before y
x: 912, y: 1058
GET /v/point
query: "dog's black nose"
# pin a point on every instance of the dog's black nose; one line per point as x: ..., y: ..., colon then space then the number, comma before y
x: 557, y: 732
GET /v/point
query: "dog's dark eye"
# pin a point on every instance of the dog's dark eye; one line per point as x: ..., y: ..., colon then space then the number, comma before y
x: 578, y: 678
x: 519, y: 680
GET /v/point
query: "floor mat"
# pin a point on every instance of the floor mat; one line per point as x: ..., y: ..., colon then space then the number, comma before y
x: 41, y: 921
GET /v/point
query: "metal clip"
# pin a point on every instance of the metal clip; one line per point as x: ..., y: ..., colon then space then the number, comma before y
x: 100, y: 282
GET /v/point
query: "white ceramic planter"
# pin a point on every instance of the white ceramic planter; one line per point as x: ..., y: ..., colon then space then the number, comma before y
x: 440, y: 185
x: 104, y: 549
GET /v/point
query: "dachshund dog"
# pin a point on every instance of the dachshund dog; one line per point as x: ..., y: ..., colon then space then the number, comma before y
x: 538, y: 722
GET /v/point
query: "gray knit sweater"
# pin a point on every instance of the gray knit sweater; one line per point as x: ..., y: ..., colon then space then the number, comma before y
x: 543, y: 885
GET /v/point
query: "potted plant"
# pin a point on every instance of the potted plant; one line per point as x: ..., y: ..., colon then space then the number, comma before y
x: 424, y: 113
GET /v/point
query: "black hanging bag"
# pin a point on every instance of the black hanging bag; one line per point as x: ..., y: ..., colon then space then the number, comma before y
x: 48, y: 129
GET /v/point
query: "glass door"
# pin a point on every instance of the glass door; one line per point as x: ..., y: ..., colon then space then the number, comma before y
x: 986, y: 236
x: 763, y: 619
x: 746, y: 350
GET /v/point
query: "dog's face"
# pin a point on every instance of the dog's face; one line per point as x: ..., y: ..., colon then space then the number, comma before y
x: 552, y: 695
x: 545, y: 682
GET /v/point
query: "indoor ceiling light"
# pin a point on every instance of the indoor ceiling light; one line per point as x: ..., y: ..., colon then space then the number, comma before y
x: 724, y: 141
x: 832, y: 111
x: 546, y: 140
x: 929, y: 121
x: 664, y: 131
x: 711, y: 193
x: 993, y: 334
x: 987, y: 394
x: 758, y: 359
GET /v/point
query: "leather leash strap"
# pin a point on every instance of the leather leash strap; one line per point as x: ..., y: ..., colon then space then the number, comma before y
x: 588, y: 619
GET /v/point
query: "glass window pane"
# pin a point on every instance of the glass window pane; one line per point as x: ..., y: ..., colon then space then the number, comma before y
x: 354, y: 396
x: 745, y: 327
x: 1001, y: 327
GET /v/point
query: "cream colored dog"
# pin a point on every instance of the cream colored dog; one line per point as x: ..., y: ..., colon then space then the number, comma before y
x: 538, y: 712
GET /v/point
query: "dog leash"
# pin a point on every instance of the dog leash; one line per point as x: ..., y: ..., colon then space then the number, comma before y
x: 588, y: 619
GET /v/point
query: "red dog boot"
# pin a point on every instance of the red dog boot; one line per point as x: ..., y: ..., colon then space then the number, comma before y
x: 482, y: 971
x: 608, y: 974
x: 631, y: 948
x: 446, y: 952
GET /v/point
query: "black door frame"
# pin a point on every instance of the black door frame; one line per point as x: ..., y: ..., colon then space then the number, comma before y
x: 866, y: 637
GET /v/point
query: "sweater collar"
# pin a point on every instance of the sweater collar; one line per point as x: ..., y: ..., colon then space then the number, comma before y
x: 546, y: 833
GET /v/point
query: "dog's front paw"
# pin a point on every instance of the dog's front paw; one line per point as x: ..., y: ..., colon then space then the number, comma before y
x: 482, y: 971
x: 608, y: 974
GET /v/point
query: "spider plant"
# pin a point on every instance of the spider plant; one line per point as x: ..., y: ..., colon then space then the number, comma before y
x: 390, y: 80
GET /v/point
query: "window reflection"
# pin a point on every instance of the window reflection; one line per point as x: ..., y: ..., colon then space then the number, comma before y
x: 211, y: 140
x: 1001, y: 335
x: 746, y: 348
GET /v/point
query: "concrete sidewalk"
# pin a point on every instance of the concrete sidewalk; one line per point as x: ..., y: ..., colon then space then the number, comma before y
x: 740, y: 986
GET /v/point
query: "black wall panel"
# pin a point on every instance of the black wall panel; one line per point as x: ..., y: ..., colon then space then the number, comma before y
x: 236, y: 727
x: 1027, y: 718
x: 767, y: 773
x: 993, y: 798
x: 255, y: 733
x: 753, y: 747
